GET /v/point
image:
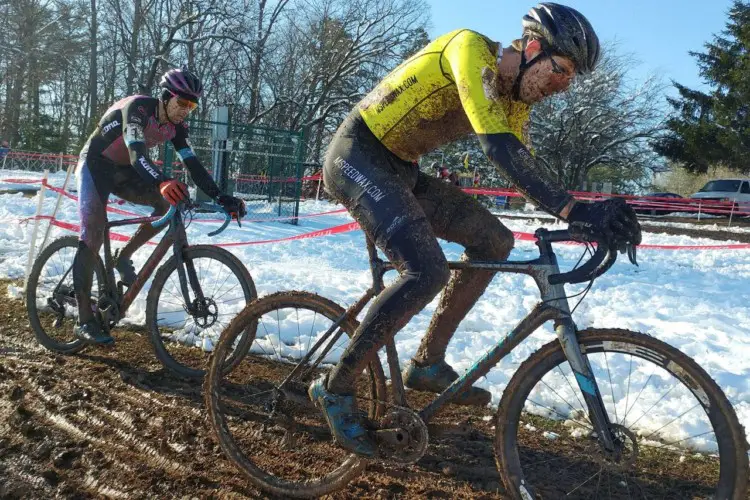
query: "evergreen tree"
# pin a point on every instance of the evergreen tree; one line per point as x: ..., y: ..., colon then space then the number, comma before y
x: 714, y: 128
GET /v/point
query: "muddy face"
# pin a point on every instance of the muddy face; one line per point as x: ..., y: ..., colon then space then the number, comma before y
x: 541, y: 81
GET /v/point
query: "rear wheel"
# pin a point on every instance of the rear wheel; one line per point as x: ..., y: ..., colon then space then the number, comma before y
x: 268, y: 427
x: 50, y: 297
x: 678, y: 435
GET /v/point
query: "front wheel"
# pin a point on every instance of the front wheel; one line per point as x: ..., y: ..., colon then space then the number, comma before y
x: 677, y: 435
x: 183, y: 331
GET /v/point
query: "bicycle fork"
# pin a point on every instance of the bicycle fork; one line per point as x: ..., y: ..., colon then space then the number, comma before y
x: 566, y: 334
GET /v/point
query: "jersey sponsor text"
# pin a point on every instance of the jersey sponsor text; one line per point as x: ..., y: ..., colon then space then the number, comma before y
x: 110, y: 126
x: 366, y: 184
x: 148, y: 168
x: 393, y: 94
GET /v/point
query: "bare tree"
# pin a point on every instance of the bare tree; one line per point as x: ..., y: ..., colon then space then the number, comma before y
x: 298, y: 64
x: 93, y: 65
x: 601, y: 122
x: 333, y: 53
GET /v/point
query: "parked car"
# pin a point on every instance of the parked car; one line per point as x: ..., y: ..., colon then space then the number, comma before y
x: 652, y: 206
x: 736, y: 190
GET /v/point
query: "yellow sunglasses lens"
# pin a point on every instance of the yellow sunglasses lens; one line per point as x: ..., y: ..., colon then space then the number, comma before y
x: 185, y: 103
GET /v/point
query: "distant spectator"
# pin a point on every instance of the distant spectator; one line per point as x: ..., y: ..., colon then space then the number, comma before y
x: 435, y: 167
x: 4, y: 149
x: 443, y: 174
x: 454, y: 179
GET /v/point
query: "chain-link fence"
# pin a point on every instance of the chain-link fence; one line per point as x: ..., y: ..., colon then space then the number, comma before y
x: 263, y: 165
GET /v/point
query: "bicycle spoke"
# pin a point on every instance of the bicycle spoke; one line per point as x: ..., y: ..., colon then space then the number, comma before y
x: 611, y: 385
x: 627, y: 411
x: 672, y: 421
x: 559, y: 396
x: 672, y: 443
x: 598, y: 473
x: 654, y: 405
x: 241, y: 295
x: 564, y: 417
x: 627, y: 391
x: 573, y: 389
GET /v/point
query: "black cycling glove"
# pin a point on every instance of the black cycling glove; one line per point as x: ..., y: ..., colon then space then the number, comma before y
x: 233, y: 205
x: 613, y: 218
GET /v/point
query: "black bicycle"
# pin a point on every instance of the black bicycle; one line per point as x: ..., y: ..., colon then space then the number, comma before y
x: 598, y: 413
x: 192, y: 298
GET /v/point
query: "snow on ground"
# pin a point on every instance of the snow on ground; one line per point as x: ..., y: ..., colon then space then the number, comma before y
x: 694, y: 300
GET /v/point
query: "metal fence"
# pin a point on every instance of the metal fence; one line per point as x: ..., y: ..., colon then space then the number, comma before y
x: 30, y: 161
x: 264, y: 166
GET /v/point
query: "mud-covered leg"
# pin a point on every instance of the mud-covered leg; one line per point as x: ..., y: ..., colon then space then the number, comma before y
x: 458, y: 217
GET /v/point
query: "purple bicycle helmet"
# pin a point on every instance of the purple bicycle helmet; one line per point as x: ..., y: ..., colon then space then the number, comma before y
x: 182, y: 82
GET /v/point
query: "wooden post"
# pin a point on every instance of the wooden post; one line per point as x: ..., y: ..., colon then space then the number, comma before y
x: 32, y: 247
x: 57, y: 205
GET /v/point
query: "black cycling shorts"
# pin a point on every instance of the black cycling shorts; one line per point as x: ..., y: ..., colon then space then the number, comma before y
x: 375, y: 185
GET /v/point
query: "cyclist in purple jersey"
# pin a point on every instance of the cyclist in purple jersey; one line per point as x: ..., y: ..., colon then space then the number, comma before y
x: 115, y: 161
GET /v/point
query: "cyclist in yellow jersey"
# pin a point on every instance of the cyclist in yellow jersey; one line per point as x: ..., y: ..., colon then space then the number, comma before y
x: 459, y: 84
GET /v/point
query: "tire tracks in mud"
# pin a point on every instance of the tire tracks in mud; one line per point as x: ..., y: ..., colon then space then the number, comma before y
x: 112, y: 424
x: 101, y: 436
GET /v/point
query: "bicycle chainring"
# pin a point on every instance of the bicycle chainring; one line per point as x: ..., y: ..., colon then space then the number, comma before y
x: 402, y: 436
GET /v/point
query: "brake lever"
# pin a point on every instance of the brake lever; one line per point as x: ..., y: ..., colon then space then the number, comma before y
x: 632, y: 254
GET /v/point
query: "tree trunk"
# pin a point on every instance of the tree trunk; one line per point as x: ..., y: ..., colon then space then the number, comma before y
x: 14, y: 103
x: 255, y: 68
x: 133, y: 56
x: 93, y: 90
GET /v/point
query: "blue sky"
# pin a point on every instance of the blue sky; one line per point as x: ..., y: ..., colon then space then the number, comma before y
x: 659, y: 33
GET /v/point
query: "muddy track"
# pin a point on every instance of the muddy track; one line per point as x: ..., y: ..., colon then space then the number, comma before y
x: 111, y: 423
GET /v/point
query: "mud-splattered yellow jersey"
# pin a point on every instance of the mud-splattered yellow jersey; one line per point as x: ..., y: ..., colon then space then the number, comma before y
x: 444, y: 92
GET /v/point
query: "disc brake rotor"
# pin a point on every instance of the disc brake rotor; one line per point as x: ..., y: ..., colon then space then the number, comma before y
x: 205, y: 312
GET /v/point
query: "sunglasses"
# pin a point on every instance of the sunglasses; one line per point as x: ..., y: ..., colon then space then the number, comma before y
x: 556, y: 68
x: 184, y: 103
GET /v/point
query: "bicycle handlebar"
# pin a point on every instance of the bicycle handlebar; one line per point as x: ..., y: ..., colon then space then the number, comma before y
x: 208, y: 206
x: 604, y: 256
x: 165, y: 218
x: 218, y: 208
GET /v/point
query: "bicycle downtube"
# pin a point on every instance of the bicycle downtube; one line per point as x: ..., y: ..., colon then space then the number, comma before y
x: 148, y: 268
x: 537, y: 317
